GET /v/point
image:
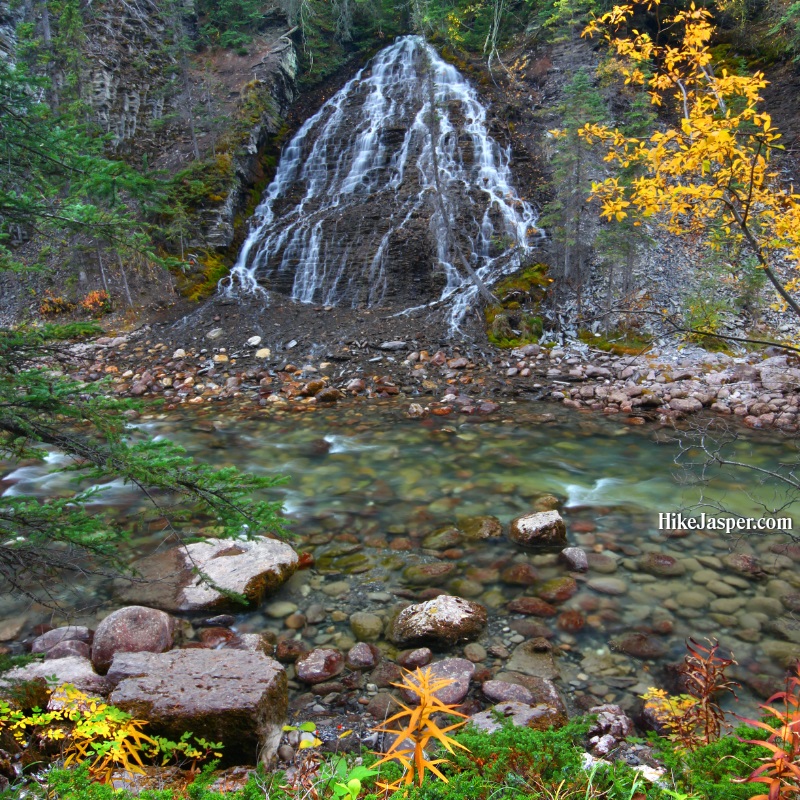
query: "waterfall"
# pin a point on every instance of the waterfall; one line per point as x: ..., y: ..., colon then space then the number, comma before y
x: 349, y: 218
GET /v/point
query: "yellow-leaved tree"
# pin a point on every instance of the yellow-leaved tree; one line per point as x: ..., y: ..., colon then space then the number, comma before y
x: 711, y: 169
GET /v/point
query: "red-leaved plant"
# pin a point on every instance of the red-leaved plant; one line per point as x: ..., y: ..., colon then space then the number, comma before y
x: 780, y: 770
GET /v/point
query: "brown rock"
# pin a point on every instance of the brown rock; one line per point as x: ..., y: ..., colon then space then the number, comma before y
x: 444, y: 621
x: 542, y: 528
x: 133, y: 629
x: 321, y: 664
x: 533, y: 606
x: 230, y: 696
x: 519, y: 574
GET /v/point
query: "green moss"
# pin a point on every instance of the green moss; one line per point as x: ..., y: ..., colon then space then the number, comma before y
x: 514, y: 321
x: 214, y: 267
x: 620, y: 343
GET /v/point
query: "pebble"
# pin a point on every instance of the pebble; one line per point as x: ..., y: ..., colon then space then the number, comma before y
x: 280, y: 609
x: 721, y: 589
x: 613, y: 586
x: 475, y: 652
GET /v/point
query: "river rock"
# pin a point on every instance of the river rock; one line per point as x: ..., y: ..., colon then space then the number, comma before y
x: 501, y: 691
x: 661, y: 565
x: 613, y: 586
x: 253, y: 568
x: 366, y: 627
x: 411, y: 659
x: 558, y: 590
x: 230, y: 696
x: 533, y: 658
x: 443, y: 621
x: 321, y: 664
x: 543, y: 528
x: 611, y: 727
x: 520, y: 575
x: 443, y: 538
x: 540, y: 717
x: 78, y: 633
x: 481, y: 527
x: 787, y: 654
x: 575, y: 558
x: 543, y: 691
x: 363, y: 656
x: 426, y: 574
x: 73, y: 669
x: 640, y: 645
x: 458, y: 671
x: 133, y: 629
x: 67, y: 649
x: 532, y: 606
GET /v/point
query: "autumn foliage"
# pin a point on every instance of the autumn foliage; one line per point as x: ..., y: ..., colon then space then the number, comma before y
x: 713, y: 169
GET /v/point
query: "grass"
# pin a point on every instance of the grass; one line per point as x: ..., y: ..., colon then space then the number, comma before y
x: 512, y: 764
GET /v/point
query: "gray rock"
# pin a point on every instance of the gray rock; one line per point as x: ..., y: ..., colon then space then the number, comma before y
x: 458, y: 671
x: 614, y: 586
x: 661, y: 565
x: 78, y: 633
x: 229, y: 696
x: 393, y: 345
x: 530, y: 658
x: 502, y: 691
x: 132, y: 629
x: 544, y: 691
x: 539, y: 717
x: 575, y: 559
x: 72, y: 669
x: 253, y: 568
x: 443, y: 621
x: 65, y: 649
x: 542, y: 528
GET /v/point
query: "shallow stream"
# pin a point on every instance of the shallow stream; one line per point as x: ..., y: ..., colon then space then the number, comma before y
x: 367, y: 486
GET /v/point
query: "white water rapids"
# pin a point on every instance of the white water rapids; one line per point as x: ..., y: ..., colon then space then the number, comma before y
x: 359, y: 172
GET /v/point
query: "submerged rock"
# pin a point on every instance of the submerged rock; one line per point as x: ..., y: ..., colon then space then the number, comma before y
x: 234, y: 697
x: 543, y: 528
x: 443, y: 621
x: 534, y: 658
x: 252, y: 568
x: 319, y: 665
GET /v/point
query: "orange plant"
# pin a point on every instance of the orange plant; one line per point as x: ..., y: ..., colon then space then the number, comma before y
x: 780, y: 770
x: 695, y: 718
x: 418, y: 729
x: 51, y: 305
x: 97, y: 302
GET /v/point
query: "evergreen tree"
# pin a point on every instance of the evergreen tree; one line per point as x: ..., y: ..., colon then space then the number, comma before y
x: 42, y: 411
x: 565, y: 215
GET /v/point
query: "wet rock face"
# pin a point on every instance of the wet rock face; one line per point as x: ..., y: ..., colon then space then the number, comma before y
x: 443, y: 621
x: 229, y: 696
x: 541, y: 529
x: 253, y: 568
x: 133, y: 629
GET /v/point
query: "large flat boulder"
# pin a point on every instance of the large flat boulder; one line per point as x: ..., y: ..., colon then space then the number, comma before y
x: 173, y: 580
x: 235, y: 697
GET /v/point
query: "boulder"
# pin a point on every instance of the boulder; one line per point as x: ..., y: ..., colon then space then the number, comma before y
x: 502, y: 691
x: 234, y: 697
x: 72, y: 669
x: 443, y: 621
x: 540, y: 717
x: 133, y: 629
x: 67, y: 648
x: 69, y: 633
x: 540, y: 529
x: 543, y: 691
x: 252, y: 568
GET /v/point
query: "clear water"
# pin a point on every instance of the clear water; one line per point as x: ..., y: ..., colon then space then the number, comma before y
x: 364, y: 480
x: 344, y: 158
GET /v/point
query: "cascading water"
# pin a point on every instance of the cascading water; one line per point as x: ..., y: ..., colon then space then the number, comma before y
x: 355, y: 214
